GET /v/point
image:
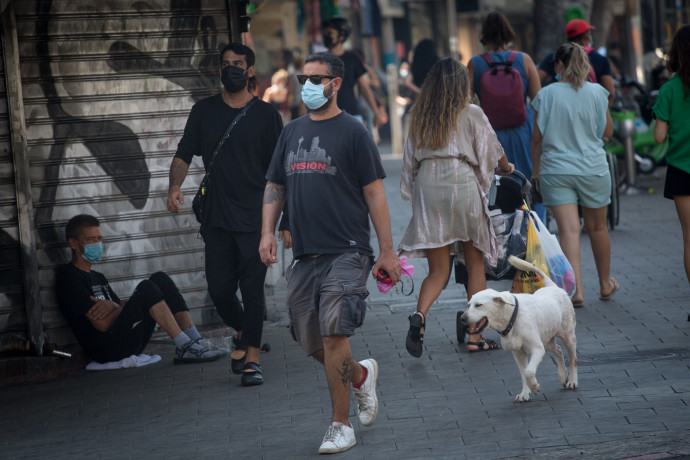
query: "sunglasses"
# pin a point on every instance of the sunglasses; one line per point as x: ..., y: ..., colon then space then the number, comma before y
x: 315, y: 79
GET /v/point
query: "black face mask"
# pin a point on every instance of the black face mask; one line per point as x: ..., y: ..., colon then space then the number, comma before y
x: 328, y: 41
x: 234, y: 79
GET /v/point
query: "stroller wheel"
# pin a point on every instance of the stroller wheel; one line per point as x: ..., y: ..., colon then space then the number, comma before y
x: 460, y: 328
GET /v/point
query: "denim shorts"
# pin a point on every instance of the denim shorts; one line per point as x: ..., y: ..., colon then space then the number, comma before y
x: 588, y: 191
x: 326, y: 296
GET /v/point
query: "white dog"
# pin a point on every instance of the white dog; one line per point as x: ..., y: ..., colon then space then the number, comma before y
x: 528, y: 323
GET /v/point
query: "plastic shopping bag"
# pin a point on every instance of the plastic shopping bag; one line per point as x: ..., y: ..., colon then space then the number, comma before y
x: 560, y: 270
x: 529, y: 282
x: 511, y: 235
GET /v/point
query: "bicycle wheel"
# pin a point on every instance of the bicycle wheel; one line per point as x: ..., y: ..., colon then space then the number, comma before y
x: 613, y: 210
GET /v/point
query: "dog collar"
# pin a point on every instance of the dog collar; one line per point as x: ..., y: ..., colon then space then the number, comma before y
x: 511, y: 323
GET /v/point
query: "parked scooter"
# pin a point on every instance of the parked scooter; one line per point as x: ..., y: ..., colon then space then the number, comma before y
x: 634, y: 103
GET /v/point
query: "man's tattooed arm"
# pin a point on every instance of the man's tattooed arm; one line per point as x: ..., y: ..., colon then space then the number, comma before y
x: 274, y: 193
x: 274, y: 199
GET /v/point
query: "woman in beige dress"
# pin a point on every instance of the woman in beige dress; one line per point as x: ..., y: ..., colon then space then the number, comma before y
x: 449, y: 163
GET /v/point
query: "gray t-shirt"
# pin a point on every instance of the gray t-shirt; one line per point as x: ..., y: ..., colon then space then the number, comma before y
x: 324, y: 165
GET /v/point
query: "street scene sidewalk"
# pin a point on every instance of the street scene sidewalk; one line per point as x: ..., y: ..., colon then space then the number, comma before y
x: 632, y: 401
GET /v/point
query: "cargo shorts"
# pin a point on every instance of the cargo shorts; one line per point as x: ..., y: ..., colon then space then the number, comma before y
x: 326, y: 296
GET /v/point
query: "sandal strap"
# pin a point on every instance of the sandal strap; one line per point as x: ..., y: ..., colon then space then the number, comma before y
x: 252, y: 368
x: 493, y: 345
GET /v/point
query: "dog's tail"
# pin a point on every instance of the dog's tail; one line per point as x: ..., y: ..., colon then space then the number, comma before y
x: 528, y: 267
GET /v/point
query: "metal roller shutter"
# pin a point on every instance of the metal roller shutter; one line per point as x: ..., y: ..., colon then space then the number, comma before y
x: 12, y: 311
x: 107, y: 90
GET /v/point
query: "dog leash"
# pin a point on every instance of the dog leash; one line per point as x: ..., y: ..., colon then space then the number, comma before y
x: 511, y: 323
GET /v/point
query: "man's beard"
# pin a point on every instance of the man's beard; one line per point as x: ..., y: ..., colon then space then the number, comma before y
x: 324, y: 107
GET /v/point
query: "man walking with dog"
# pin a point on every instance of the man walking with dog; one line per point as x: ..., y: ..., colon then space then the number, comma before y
x: 328, y: 171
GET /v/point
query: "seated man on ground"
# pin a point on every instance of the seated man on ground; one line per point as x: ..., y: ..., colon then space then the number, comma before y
x: 109, y: 329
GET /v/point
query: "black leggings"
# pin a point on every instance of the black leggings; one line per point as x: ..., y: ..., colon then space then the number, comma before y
x: 133, y: 328
x: 232, y: 261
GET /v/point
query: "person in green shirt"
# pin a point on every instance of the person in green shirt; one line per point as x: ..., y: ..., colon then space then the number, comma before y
x: 672, y: 111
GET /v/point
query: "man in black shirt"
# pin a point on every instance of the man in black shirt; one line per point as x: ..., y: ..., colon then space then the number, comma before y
x: 109, y: 329
x: 328, y: 171
x: 231, y: 227
x: 335, y: 32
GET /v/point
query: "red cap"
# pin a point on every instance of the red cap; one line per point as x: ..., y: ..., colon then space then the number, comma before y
x: 577, y: 27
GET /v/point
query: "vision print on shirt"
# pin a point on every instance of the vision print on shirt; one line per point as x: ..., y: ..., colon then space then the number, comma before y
x: 309, y: 161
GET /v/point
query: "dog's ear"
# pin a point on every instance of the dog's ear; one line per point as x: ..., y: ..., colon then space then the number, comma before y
x: 504, y: 298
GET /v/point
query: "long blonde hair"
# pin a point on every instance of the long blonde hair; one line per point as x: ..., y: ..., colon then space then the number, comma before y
x: 444, y: 94
x: 576, y: 62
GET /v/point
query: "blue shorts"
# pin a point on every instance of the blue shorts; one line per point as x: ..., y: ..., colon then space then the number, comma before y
x: 588, y: 191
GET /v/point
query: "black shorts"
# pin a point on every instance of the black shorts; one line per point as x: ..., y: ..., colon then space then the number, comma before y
x: 677, y: 182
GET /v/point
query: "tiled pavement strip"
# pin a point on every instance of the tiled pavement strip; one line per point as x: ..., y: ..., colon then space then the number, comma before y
x: 632, y: 400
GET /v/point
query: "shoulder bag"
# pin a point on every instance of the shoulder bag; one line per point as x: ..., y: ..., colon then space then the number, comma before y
x: 200, y: 197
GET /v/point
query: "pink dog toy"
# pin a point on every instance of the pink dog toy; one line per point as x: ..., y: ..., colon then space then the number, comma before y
x: 383, y: 281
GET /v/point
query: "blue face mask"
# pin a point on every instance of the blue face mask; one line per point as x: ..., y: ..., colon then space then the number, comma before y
x: 558, y: 77
x: 312, y: 95
x: 93, y: 252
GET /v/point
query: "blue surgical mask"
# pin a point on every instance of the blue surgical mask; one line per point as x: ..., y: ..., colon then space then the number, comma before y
x: 312, y: 95
x: 558, y: 77
x: 93, y: 252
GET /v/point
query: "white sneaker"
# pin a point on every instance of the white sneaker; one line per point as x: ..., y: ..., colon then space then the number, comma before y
x: 338, y: 438
x: 366, y: 395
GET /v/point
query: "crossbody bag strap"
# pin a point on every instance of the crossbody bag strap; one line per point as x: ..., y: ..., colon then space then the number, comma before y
x: 225, y: 136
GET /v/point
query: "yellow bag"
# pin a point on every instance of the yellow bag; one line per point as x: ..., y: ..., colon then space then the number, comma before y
x: 529, y: 282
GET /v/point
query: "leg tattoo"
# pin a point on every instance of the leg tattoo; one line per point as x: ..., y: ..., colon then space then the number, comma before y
x: 346, y: 372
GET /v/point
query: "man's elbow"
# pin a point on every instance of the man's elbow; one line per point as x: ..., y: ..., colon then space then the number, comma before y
x: 373, y: 188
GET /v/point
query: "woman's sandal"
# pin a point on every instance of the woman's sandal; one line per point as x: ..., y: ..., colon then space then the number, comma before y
x: 614, y: 288
x: 237, y: 356
x: 415, y: 336
x: 252, y: 375
x: 484, y: 345
x: 460, y: 327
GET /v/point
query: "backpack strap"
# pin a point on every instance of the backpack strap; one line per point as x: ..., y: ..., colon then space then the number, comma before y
x: 508, y: 63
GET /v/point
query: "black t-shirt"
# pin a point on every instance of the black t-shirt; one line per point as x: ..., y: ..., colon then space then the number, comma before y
x: 347, y: 101
x: 235, y: 194
x: 324, y: 165
x: 74, y: 287
x: 599, y: 63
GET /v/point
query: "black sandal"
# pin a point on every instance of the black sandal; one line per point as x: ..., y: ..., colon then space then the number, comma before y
x: 251, y: 375
x: 484, y: 345
x: 237, y: 361
x: 415, y: 335
x: 460, y: 327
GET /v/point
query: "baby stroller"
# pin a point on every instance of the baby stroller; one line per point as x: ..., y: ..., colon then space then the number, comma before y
x: 506, y: 197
